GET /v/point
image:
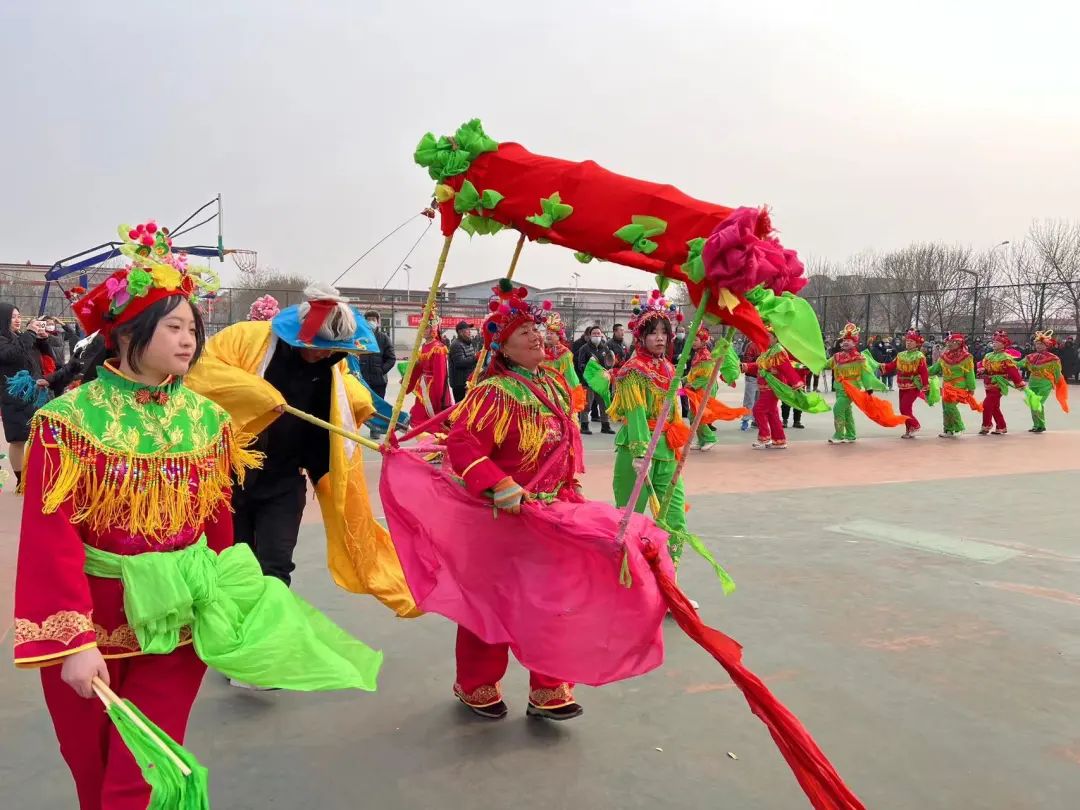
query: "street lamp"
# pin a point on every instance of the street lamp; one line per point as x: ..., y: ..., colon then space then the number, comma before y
x: 975, y: 295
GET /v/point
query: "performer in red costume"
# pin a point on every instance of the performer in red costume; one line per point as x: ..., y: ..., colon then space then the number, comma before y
x: 126, y: 551
x: 912, y: 379
x: 776, y: 361
x: 514, y: 431
x: 429, y: 381
x: 999, y: 372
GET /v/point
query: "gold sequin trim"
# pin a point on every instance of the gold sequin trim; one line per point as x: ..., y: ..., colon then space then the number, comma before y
x: 62, y: 627
x: 480, y: 697
x: 124, y: 638
x: 543, y: 698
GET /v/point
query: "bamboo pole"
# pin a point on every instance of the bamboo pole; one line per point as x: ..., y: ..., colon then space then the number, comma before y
x: 661, y: 420
x: 421, y: 331
x: 728, y: 336
x: 348, y: 434
x: 110, y: 698
x: 482, y: 354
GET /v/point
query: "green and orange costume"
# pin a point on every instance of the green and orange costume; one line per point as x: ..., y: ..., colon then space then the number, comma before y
x: 956, y: 367
x: 1044, y: 377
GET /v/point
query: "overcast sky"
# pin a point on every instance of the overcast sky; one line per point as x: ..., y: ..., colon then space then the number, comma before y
x: 864, y: 124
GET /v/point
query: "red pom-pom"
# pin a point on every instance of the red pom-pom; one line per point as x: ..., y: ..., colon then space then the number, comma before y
x: 655, y: 294
x: 679, y: 317
x: 504, y: 310
x: 133, y: 234
x: 546, y: 305
x: 147, y: 240
x: 522, y: 292
x: 493, y: 306
x: 140, y: 228
x: 151, y: 227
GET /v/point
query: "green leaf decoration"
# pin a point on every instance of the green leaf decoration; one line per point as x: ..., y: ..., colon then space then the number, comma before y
x: 638, y: 232
x: 662, y: 283
x: 582, y: 257
x: 477, y: 224
x: 694, y: 266
x: 469, y: 199
x: 552, y: 210
x: 795, y: 323
x: 446, y: 157
x: 472, y: 139
x: 490, y: 198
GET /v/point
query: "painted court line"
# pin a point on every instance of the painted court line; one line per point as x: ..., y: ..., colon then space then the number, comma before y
x: 945, y: 544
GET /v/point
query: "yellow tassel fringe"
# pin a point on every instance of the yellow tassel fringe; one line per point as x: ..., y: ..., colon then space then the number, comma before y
x: 149, y: 496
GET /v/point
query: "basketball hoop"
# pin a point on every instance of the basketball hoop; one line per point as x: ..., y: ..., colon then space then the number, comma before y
x: 246, y: 261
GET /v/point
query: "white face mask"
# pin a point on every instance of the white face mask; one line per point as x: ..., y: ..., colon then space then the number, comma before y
x: 680, y: 335
x: 595, y: 339
x: 373, y: 324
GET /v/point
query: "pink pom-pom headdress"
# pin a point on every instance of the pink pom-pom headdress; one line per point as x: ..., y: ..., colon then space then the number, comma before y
x: 264, y: 308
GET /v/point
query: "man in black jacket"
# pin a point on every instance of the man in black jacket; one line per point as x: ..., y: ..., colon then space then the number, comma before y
x: 618, y: 345
x: 375, y: 367
x: 594, y: 346
x: 462, y: 360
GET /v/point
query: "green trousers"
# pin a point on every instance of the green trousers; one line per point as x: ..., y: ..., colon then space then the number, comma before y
x: 660, y: 475
x: 1044, y: 388
x: 950, y: 415
x: 843, y: 418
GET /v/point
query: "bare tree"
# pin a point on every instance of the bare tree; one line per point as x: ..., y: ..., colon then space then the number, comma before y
x: 1024, y: 293
x: 1057, y: 243
x: 232, y: 303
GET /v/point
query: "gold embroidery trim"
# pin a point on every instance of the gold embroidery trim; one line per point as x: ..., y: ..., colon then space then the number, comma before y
x: 482, y: 458
x: 62, y: 627
x: 542, y: 697
x: 123, y: 637
x: 480, y: 697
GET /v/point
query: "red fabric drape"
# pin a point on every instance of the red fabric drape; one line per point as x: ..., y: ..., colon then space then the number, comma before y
x: 815, y: 774
x: 603, y: 202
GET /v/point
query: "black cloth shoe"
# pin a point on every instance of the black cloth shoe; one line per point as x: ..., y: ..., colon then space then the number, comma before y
x: 585, y: 430
x: 798, y: 426
x: 567, y: 712
x: 496, y: 711
x: 606, y: 429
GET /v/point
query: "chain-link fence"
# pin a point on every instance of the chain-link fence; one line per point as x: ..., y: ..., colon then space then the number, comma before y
x: 978, y: 311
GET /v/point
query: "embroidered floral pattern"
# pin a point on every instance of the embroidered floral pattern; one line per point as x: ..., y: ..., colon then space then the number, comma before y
x: 62, y: 627
x: 561, y: 695
x: 479, y: 697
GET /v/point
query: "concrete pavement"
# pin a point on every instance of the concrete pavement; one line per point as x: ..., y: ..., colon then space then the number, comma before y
x: 916, y: 604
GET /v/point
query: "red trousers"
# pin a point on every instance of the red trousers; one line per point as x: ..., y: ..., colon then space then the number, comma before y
x: 767, y: 416
x: 106, y: 776
x: 480, y: 667
x: 908, y: 397
x: 992, y: 408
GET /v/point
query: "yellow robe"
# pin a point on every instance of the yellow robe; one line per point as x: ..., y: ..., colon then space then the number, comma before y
x: 359, y: 552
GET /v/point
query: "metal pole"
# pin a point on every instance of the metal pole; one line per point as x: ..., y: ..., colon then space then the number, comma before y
x: 867, y: 330
x: 429, y: 305
x: 1042, y: 305
x: 918, y: 310
x: 975, y: 307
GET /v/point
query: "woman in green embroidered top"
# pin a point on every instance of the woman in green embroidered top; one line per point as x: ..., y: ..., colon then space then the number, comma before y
x: 641, y: 385
x: 127, y: 492
x: 1044, y: 368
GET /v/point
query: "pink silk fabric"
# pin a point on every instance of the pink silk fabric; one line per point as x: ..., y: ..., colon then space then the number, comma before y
x: 545, y: 581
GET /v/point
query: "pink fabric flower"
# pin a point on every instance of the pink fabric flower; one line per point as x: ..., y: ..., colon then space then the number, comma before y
x: 741, y: 253
x: 117, y: 290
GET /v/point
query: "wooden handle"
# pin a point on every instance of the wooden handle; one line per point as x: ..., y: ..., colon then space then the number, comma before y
x: 110, y: 698
x: 348, y: 434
